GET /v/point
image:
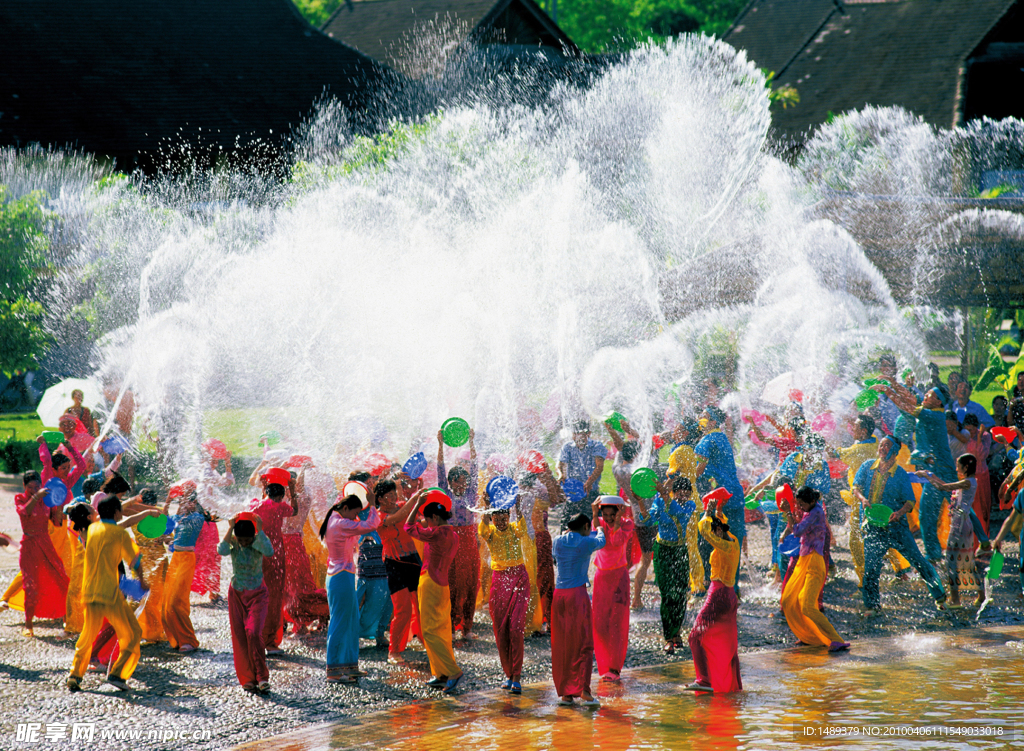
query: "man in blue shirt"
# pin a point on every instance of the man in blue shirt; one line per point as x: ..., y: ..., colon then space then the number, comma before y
x: 581, y: 459
x: 963, y: 406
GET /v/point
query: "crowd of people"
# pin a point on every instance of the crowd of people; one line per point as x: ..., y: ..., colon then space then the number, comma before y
x: 405, y: 554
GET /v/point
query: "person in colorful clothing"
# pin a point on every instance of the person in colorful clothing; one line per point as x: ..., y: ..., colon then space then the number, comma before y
x: 464, y: 577
x: 581, y: 459
x: 107, y: 545
x: 439, y: 551
x: 572, y: 632
x: 932, y: 444
x: 622, y: 471
x: 340, y: 531
x: 279, y: 503
x: 611, y: 587
x: 402, y: 563
x: 1017, y: 511
x: 176, y: 609
x: 206, y: 580
x: 245, y: 542
x: 510, y: 585
x: 44, y: 579
x: 671, y: 557
x: 714, y: 640
x: 884, y: 481
x: 714, y: 452
x: 960, y: 544
x: 684, y: 462
x: 800, y: 595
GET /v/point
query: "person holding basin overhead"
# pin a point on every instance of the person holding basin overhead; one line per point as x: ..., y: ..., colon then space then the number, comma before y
x: 572, y: 632
x: 439, y: 550
x: 460, y: 483
x: 611, y: 586
x: 510, y: 582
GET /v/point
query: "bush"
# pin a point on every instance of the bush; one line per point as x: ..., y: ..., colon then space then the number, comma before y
x: 19, y: 456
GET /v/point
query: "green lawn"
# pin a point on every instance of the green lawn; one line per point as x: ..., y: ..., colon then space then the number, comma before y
x: 24, y: 426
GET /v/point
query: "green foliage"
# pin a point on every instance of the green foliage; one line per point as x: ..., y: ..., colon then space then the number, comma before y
x: 19, y: 456
x: 23, y: 248
x: 785, y: 95
x: 317, y: 11
x: 606, y: 25
x: 363, y: 155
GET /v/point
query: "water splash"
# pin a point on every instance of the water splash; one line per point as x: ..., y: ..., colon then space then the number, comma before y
x: 517, y: 265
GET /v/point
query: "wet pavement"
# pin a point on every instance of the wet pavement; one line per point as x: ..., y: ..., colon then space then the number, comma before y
x: 868, y: 698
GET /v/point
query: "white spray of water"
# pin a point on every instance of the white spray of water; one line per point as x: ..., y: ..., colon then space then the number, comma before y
x: 505, y: 268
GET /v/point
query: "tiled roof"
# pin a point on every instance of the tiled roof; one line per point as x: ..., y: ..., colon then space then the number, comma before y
x: 845, y: 55
x: 379, y: 28
x: 116, y: 77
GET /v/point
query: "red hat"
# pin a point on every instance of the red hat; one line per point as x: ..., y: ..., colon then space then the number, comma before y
x: 718, y: 494
x: 181, y: 489
x: 299, y: 460
x: 216, y: 449
x: 246, y: 516
x: 276, y: 475
x: 436, y: 495
x: 357, y: 489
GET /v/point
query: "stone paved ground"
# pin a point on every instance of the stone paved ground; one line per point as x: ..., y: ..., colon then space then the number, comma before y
x: 177, y: 695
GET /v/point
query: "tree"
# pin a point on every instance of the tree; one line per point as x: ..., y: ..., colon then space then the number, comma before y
x: 23, y: 247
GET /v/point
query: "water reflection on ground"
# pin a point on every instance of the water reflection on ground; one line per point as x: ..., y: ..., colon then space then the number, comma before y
x: 951, y: 691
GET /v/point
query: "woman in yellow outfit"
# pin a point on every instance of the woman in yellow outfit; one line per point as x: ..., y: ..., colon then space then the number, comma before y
x: 800, y: 597
x: 175, y: 613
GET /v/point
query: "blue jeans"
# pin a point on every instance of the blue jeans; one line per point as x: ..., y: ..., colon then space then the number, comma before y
x: 877, y: 542
x: 375, y: 608
x: 343, y: 630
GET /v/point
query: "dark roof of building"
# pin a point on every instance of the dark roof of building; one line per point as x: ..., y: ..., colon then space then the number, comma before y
x: 380, y: 28
x: 845, y: 54
x: 118, y: 77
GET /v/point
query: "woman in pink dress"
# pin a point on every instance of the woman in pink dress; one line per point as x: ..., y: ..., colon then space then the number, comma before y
x: 611, y: 587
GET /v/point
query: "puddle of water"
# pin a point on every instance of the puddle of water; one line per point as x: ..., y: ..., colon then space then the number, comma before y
x: 950, y: 691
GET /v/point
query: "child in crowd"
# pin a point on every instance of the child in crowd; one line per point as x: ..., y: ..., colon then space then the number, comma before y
x: 960, y: 544
x: 247, y: 545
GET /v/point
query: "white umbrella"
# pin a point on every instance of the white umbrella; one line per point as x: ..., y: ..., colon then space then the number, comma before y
x: 776, y: 391
x: 57, y: 399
